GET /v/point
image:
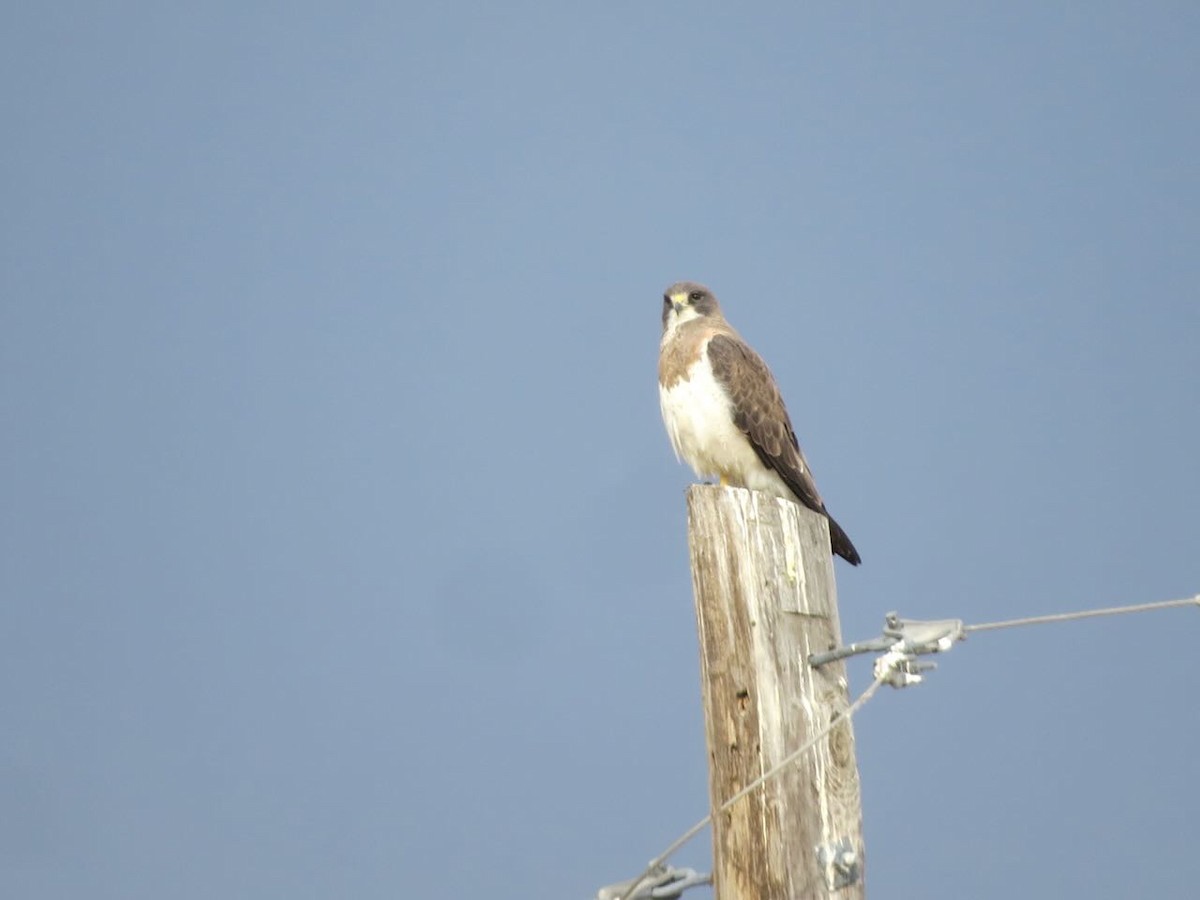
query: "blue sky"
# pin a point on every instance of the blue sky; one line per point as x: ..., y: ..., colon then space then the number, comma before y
x: 342, y: 552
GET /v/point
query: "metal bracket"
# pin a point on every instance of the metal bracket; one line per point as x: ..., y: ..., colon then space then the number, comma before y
x: 903, y: 640
x: 842, y: 863
x: 665, y: 882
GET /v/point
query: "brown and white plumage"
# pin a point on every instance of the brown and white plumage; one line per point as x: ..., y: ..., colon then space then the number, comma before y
x: 723, y: 410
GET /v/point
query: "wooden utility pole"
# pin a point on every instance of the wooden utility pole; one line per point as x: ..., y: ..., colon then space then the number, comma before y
x: 765, y: 599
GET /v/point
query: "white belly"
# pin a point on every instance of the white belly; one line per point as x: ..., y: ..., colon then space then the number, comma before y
x: 699, y: 422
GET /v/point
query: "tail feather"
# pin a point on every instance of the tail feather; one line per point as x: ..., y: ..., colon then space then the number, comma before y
x: 840, y: 542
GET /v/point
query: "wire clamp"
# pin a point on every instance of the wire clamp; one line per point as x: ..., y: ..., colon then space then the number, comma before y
x: 664, y: 882
x: 901, y: 669
x: 902, y: 642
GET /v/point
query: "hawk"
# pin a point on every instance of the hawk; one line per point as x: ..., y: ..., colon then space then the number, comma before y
x: 723, y: 410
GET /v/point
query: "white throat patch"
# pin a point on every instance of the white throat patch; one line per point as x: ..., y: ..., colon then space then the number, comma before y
x: 675, y: 319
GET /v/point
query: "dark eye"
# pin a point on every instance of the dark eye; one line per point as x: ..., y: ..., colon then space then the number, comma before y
x: 666, y: 300
x: 695, y: 296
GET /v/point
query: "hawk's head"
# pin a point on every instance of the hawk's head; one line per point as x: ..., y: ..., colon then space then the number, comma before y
x: 686, y: 300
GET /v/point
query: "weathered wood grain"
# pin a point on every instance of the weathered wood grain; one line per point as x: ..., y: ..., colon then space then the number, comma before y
x: 765, y: 599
